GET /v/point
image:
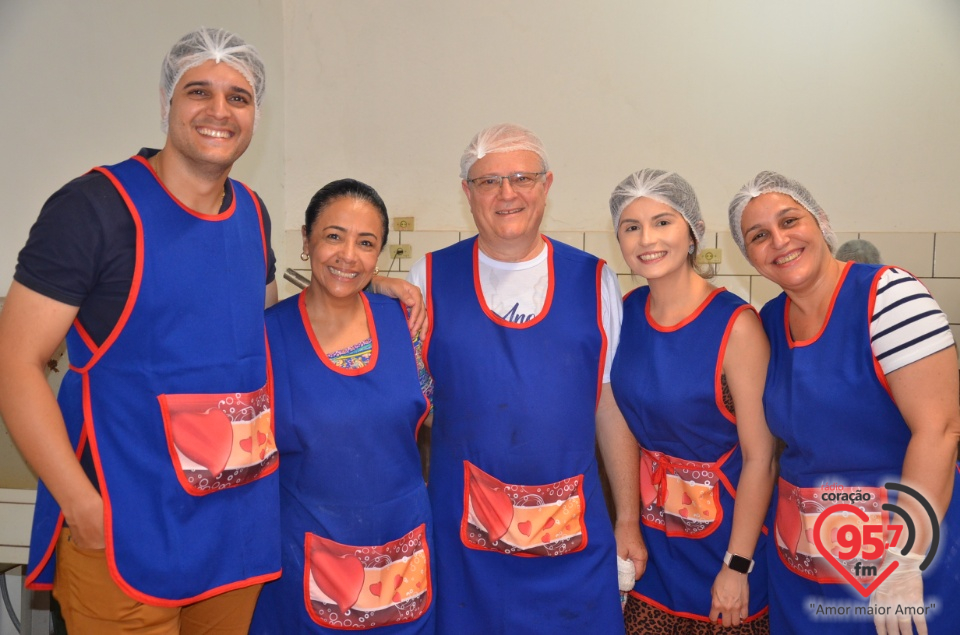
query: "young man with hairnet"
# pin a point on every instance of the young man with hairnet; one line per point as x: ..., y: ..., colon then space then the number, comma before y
x: 157, y: 506
x: 521, y: 335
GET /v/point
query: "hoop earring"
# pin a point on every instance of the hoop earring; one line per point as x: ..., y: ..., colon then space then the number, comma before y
x: 303, y: 256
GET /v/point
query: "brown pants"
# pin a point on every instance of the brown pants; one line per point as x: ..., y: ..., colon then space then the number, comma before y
x: 92, y: 603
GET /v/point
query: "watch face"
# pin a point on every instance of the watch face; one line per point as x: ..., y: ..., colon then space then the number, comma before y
x: 740, y: 564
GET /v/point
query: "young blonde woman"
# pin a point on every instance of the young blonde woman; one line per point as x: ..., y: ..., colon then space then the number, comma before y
x: 350, y: 396
x: 688, y: 377
x: 862, y: 387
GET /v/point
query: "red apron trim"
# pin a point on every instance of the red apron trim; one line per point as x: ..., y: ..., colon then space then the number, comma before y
x: 134, y: 284
x: 219, y: 441
x: 693, y: 616
x: 681, y: 497
x: 322, y: 356
x: 718, y: 374
x: 428, y: 300
x: 547, y: 301
x: 361, y: 587
x: 263, y: 232
x: 603, y: 330
x: 213, y: 218
x: 826, y: 320
x: 871, y: 303
x: 522, y: 520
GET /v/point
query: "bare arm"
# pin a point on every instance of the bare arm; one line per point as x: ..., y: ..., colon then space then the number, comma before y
x: 745, y: 367
x: 408, y: 294
x: 621, y: 456
x: 272, y: 295
x: 31, y: 328
x: 926, y: 394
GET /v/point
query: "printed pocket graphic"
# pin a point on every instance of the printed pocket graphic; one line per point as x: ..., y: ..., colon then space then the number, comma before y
x: 522, y: 520
x: 219, y: 441
x: 356, y: 588
x: 797, y: 512
x: 680, y: 497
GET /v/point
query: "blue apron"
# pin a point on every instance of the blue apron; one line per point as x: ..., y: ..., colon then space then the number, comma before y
x: 667, y: 384
x: 524, y: 542
x: 357, y: 533
x: 825, y: 398
x: 176, y: 408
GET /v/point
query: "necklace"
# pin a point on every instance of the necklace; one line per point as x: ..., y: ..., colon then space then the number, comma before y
x: 154, y: 162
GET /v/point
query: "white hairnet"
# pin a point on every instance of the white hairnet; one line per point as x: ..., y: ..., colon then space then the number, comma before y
x: 766, y: 182
x: 204, y: 44
x: 504, y: 137
x: 665, y: 187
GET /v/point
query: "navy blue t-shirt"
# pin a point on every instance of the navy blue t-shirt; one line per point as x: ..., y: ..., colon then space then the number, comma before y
x: 82, y: 250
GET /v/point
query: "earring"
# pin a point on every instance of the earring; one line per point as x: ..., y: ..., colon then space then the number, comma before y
x: 692, y: 249
x: 303, y: 256
x: 376, y: 271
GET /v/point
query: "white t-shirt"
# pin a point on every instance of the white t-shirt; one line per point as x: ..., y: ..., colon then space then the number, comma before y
x: 516, y: 291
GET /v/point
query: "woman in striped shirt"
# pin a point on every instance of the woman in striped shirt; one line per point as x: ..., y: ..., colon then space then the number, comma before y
x: 862, y: 387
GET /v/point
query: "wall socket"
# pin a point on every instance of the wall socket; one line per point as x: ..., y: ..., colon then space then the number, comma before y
x: 401, y: 251
x: 403, y: 224
x: 710, y: 256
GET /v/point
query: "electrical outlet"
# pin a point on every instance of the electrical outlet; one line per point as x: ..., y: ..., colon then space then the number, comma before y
x: 403, y: 224
x: 401, y: 251
x: 710, y: 256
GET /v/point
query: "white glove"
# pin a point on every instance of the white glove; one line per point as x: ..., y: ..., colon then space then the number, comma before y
x: 626, y: 574
x: 903, y: 588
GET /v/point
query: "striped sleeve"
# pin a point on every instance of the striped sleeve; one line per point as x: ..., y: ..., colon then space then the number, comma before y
x: 907, y: 323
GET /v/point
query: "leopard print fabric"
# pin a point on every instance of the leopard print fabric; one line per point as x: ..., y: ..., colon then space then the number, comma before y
x: 643, y: 619
x: 727, y: 395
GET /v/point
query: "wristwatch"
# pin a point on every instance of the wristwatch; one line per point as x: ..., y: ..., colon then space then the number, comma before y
x: 738, y: 563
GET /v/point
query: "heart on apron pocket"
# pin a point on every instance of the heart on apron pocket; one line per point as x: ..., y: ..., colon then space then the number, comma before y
x: 204, y: 437
x: 339, y: 577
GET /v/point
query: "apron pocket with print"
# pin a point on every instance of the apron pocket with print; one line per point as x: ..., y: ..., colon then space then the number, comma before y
x: 522, y: 520
x: 680, y: 497
x: 219, y: 441
x: 797, y: 512
x: 356, y: 588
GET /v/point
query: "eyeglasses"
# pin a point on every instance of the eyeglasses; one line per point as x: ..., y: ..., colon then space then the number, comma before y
x: 518, y: 181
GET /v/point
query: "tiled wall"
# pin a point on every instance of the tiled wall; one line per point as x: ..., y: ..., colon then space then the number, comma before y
x: 933, y: 257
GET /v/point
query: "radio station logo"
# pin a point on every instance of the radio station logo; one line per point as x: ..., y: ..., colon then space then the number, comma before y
x: 858, y: 540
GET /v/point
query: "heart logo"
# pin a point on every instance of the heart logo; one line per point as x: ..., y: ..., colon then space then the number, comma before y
x: 376, y: 588
x: 339, y: 577
x: 525, y: 527
x: 829, y: 557
x: 491, y: 504
x: 204, y: 437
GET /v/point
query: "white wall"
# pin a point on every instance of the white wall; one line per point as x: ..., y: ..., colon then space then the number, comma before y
x: 80, y: 88
x: 859, y: 99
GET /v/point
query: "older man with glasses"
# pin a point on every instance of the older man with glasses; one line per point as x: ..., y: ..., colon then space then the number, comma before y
x: 522, y: 332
